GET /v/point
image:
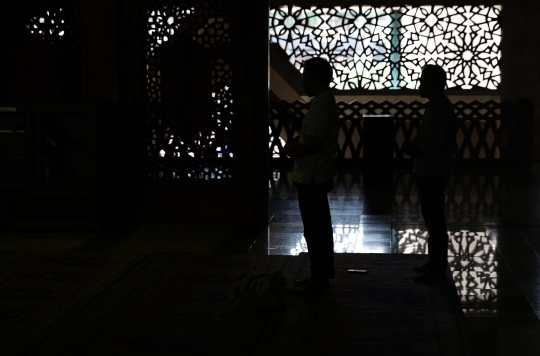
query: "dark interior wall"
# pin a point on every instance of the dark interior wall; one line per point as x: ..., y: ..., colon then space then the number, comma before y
x: 100, y: 79
x: 520, y: 48
x: 117, y: 119
x: 96, y: 28
x: 58, y: 71
x: 9, y: 21
x: 36, y: 70
x: 252, y: 63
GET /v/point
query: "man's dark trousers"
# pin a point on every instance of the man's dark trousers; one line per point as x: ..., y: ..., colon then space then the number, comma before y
x: 318, y: 232
x: 431, y: 192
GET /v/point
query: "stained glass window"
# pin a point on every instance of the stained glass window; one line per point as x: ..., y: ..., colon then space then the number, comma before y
x: 387, y: 47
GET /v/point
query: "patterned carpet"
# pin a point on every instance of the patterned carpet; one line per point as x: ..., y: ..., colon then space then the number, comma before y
x: 164, y: 303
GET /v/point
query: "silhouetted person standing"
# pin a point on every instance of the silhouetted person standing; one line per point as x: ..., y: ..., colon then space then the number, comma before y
x: 313, y: 173
x: 433, y: 150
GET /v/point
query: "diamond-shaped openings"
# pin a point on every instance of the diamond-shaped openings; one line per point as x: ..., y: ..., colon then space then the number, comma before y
x: 360, y: 22
x: 431, y: 20
x: 501, y: 129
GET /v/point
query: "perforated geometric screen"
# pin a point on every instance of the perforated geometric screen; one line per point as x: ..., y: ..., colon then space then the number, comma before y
x: 53, y: 22
x: 387, y: 47
x: 188, y: 82
x: 488, y: 131
x: 43, y: 61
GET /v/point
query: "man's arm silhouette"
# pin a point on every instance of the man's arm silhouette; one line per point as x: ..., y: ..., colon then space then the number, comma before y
x: 311, y: 147
x: 413, y: 149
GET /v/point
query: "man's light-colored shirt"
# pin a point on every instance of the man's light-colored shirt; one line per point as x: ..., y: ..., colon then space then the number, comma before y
x: 437, y: 138
x: 322, y: 121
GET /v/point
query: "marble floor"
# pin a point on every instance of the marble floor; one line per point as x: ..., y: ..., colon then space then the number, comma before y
x: 494, y: 243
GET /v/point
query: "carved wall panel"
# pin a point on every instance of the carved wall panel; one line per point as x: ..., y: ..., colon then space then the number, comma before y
x: 189, y: 97
x: 386, y: 47
x: 499, y: 133
x: 202, y: 61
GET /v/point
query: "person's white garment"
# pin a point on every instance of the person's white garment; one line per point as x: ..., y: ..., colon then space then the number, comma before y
x: 322, y: 121
x: 264, y: 292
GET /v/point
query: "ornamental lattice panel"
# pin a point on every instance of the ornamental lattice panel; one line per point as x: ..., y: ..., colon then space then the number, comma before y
x: 189, y: 96
x: 54, y: 22
x: 387, y: 47
x: 498, y: 133
x: 44, y: 62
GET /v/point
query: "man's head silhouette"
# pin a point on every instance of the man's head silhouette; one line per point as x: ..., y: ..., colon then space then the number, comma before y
x: 317, y: 75
x: 432, y: 81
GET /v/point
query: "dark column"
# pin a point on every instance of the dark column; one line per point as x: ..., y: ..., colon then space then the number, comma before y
x: 378, y: 163
x: 250, y: 51
x: 378, y: 142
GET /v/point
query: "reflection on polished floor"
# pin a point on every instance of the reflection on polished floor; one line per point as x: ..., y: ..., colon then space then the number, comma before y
x: 493, y: 251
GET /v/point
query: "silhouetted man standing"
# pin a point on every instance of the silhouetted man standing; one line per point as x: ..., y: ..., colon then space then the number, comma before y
x: 433, y: 150
x: 313, y: 173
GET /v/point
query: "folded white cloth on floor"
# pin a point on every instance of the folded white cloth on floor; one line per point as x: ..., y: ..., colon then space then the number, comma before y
x: 263, y: 292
